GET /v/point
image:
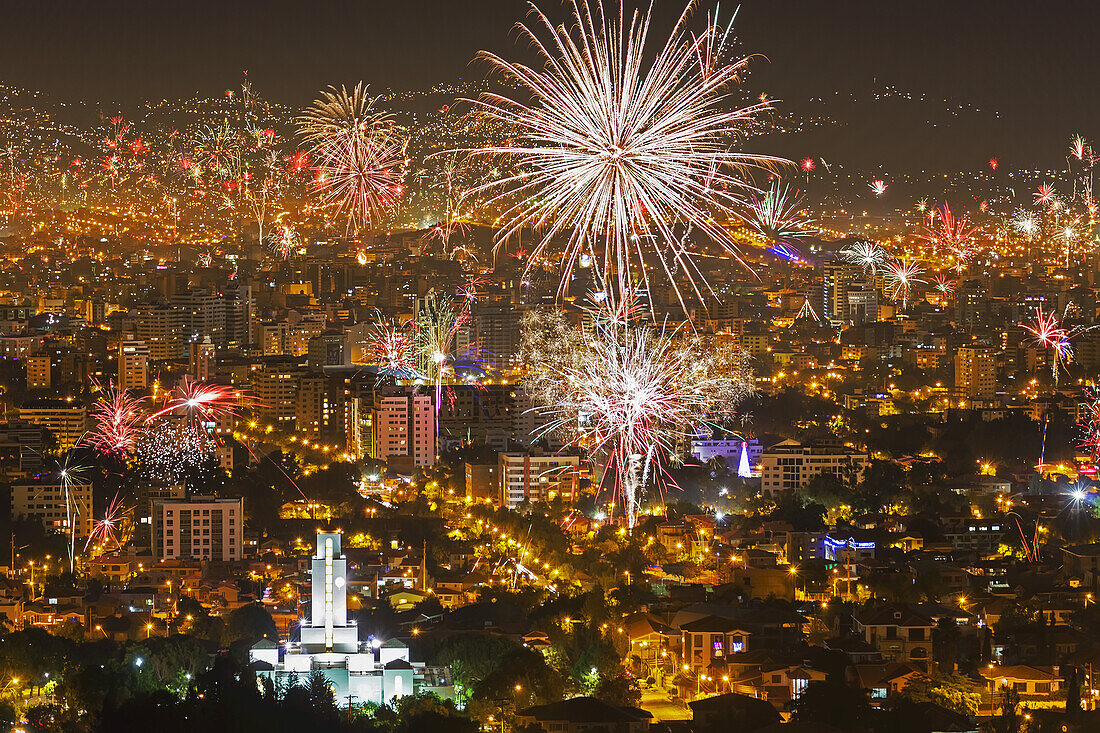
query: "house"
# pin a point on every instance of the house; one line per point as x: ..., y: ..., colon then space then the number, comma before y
x: 710, y: 638
x: 900, y: 633
x: 779, y: 684
x: 1082, y: 562
x: 651, y: 641
x: 537, y: 640
x: 406, y: 599
x: 580, y: 714
x: 883, y: 679
x: 715, y: 713
x: 1036, y: 686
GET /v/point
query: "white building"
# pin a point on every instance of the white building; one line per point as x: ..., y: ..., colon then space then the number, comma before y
x: 728, y: 449
x: 201, y: 527
x: 358, y: 672
x: 791, y: 465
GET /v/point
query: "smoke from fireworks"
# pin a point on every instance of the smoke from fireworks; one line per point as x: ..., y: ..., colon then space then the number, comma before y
x: 617, y: 150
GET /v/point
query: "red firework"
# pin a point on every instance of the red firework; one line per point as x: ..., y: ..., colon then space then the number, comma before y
x: 202, y: 402
x: 1044, y: 194
x: 118, y: 418
x: 953, y: 234
x: 105, y: 530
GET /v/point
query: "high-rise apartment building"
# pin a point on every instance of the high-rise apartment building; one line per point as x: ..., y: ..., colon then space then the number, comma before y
x: 975, y: 372
x: 133, y: 365
x: 403, y: 428
x: 201, y: 527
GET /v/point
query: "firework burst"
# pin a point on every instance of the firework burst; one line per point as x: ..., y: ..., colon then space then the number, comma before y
x: 284, y: 241
x: 628, y: 391
x: 953, y: 234
x: 117, y: 418
x: 106, y: 531
x: 944, y: 285
x: 1048, y: 333
x: 357, y: 153
x: 618, y: 147
x: 203, y: 404
x: 1026, y: 223
x: 901, y: 275
x: 778, y: 217
x: 1044, y: 195
x: 392, y: 349
x: 867, y: 255
x: 1089, y: 422
x: 878, y: 186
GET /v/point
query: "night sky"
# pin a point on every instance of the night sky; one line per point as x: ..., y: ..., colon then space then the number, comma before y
x: 1035, y: 61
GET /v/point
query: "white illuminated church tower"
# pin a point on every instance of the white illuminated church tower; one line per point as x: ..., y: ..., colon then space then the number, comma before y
x: 358, y: 671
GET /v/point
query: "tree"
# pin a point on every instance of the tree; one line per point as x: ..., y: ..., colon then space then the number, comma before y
x: 619, y: 689
x: 835, y: 703
x: 1072, y: 678
x: 250, y: 622
x: 945, y: 644
x: 952, y: 691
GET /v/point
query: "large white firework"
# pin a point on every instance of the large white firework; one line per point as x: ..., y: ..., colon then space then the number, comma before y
x: 867, y: 255
x: 359, y: 155
x: 628, y: 391
x: 619, y: 145
x: 901, y: 275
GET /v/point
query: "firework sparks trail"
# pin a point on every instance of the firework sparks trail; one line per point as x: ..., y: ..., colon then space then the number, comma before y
x: 619, y: 147
x: 439, y: 355
x: 1089, y: 422
x: 943, y: 284
x: 629, y: 391
x: 1044, y: 195
x: 777, y: 216
x: 105, y: 531
x: 953, y: 234
x: 72, y: 476
x: 203, y: 404
x: 901, y: 275
x: 1049, y: 333
x: 392, y: 349
x: 867, y: 255
x: 1079, y: 148
x: 118, y: 418
x: 878, y: 186
x: 357, y: 153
